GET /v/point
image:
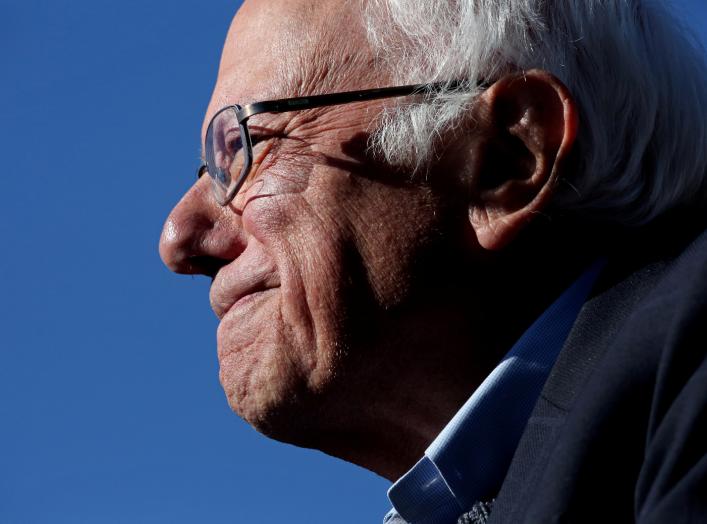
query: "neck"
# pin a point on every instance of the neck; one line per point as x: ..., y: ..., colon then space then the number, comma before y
x: 448, y: 349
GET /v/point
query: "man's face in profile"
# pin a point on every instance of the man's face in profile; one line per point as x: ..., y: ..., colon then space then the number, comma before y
x: 326, y: 261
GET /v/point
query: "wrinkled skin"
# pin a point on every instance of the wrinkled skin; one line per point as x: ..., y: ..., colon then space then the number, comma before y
x: 353, y: 298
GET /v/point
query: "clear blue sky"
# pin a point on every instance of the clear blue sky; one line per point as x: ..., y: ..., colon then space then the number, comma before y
x: 110, y: 406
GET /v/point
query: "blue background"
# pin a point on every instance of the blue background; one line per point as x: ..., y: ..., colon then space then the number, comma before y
x: 110, y: 406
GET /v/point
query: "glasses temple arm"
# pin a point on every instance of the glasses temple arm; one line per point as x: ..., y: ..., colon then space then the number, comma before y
x: 309, y: 102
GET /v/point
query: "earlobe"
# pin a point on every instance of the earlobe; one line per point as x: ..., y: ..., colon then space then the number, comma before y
x: 528, y: 128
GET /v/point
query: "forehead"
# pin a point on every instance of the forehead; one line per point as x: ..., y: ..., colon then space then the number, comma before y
x: 285, y: 48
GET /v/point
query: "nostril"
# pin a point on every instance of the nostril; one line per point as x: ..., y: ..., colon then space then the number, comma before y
x: 206, y: 265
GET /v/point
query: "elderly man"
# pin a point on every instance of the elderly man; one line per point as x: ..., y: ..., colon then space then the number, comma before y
x: 485, y: 281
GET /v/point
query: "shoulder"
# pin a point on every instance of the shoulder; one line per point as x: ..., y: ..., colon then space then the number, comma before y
x: 672, y: 479
x: 653, y: 296
x: 618, y: 422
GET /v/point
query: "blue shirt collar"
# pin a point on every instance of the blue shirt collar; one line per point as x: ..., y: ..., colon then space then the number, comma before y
x: 470, y: 457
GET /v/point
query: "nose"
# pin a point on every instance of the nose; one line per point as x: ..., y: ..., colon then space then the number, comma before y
x: 199, y: 236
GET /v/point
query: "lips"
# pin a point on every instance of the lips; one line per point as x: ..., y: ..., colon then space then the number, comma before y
x: 252, y: 272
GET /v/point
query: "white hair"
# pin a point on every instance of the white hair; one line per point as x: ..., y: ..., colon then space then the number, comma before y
x: 637, y: 75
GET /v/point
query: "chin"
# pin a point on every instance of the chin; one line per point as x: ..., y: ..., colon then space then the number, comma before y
x: 282, y: 398
x: 275, y: 402
x: 277, y: 374
x: 269, y: 388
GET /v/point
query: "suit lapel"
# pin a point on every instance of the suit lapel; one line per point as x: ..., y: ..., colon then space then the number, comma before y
x: 599, y: 320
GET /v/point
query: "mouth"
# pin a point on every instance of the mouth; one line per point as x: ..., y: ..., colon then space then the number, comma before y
x: 222, y: 307
x: 250, y: 275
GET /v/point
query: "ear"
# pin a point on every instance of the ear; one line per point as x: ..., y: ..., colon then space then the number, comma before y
x: 524, y: 128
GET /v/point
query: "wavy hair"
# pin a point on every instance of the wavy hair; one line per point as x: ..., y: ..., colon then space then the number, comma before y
x: 638, y: 76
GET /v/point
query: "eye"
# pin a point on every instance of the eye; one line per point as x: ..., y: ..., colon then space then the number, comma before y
x: 234, y: 144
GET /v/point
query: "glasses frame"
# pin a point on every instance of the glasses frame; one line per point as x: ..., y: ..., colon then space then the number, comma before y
x: 286, y: 105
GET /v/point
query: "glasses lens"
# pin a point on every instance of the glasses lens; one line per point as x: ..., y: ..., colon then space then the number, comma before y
x: 225, y: 152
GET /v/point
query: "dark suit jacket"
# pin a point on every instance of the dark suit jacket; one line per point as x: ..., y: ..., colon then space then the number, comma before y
x: 620, y: 431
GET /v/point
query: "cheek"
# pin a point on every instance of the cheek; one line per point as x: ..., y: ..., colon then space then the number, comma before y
x: 290, y: 340
x: 316, y: 302
x: 344, y: 248
x: 286, y: 177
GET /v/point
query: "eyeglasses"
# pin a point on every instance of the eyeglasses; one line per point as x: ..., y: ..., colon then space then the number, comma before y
x: 228, y: 149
